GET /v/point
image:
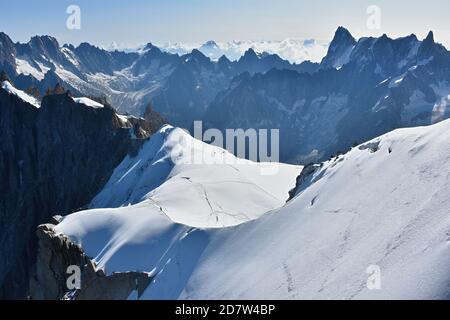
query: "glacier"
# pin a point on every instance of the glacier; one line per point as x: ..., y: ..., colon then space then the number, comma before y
x: 385, y: 203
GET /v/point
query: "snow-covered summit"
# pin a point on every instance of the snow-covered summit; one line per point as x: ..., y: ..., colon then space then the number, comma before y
x: 161, y: 193
x: 195, y: 183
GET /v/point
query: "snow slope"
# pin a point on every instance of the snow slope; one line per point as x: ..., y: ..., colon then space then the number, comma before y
x: 166, y: 190
x: 385, y: 203
x: 6, y: 85
x: 24, y: 67
x: 88, y: 102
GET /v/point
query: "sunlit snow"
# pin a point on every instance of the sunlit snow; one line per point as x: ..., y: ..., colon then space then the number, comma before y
x: 6, y: 85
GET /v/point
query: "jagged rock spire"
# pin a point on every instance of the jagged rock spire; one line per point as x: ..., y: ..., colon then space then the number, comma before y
x: 339, y: 47
x: 430, y: 37
x: 342, y: 34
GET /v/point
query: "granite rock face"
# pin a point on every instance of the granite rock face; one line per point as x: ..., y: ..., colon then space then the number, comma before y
x: 56, y: 253
x: 53, y: 160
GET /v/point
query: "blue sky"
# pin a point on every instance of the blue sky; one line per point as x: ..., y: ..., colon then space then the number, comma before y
x: 133, y: 22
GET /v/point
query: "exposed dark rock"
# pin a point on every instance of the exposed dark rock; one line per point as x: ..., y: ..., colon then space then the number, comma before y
x: 7, y: 54
x: 56, y: 219
x: 371, y: 146
x: 339, y: 47
x: 52, y: 160
x: 56, y: 253
x: 302, y: 178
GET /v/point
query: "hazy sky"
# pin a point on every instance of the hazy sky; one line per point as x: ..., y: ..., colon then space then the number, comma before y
x: 133, y: 22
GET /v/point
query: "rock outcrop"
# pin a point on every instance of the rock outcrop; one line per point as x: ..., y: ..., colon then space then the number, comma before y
x: 53, y: 160
x: 302, y: 178
x: 56, y: 253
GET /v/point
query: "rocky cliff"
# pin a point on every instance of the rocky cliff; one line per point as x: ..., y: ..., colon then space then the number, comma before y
x: 53, y: 159
x: 56, y: 253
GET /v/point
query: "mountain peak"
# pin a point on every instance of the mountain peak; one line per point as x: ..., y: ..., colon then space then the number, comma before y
x: 224, y: 59
x: 152, y: 50
x: 149, y: 46
x: 250, y: 54
x: 197, y: 53
x: 6, y: 43
x: 69, y: 46
x: 44, y: 41
x: 343, y: 34
x: 210, y: 44
x: 86, y: 46
x: 340, y: 49
x: 4, y: 36
x: 430, y: 49
x: 412, y: 36
x: 430, y: 37
x: 198, y: 56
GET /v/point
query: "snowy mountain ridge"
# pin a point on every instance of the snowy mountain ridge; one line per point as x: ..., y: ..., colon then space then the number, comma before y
x: 374, y: 84
x: 318, y: 245
x: 157, y: 197
x: 363, y: 89
x: 183, y: 176
x: 218, y: 229
x: 8, y: 87
x: 180, y: 86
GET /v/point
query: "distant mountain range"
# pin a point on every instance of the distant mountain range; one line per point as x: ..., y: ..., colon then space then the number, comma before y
x: 293, y: 50
x: 180, y: 86
x: 361, y: 89
x: 151, y: 222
